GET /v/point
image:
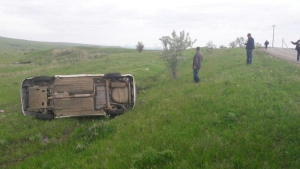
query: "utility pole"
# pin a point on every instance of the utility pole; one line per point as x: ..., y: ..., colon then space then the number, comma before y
x: 273, y: 36
x: 284, y: 43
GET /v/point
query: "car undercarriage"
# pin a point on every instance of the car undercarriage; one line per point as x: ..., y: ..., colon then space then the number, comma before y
x: 59, y: 96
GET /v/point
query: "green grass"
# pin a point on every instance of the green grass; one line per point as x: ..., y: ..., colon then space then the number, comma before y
x: 29, y: 46
x: 239, y: 116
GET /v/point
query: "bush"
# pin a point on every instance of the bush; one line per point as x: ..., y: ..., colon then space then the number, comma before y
x: 140, y: 46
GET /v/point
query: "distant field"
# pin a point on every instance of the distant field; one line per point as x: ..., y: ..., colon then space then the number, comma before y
x: 26, y: 45
x: 239, y: 116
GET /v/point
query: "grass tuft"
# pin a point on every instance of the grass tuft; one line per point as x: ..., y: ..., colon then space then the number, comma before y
x: 150, y: 158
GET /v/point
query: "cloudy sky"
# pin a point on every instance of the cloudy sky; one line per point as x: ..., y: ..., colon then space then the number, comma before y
x: 126, y: 22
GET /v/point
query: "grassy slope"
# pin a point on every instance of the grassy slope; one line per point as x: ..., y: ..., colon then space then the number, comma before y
x: 239, y: 116
x: 26, y: 45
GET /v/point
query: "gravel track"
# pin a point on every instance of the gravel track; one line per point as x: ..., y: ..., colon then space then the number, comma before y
x: 284, y: 53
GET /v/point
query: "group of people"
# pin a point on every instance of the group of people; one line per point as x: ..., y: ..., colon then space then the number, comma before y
x: 198, y: 57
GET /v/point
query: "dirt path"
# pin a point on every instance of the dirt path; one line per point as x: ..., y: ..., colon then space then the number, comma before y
x: 287, y: 54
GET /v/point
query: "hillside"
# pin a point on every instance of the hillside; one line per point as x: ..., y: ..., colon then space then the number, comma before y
x: 239, y: 116
x: 26, y: 45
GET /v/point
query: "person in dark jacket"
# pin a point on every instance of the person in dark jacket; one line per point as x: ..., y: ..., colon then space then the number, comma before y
x: 297, y: 48
x: 249, y: 48
x: 198, y: 58
x: 266, y: 44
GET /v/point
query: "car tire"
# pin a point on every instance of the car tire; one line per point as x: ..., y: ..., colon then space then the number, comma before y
x: 112, y: 75
x: 41, y: 116
x: 115, y: 112
x: 42, y: 79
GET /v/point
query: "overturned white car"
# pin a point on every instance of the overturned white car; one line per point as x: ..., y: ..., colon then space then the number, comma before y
x: 48, y: 97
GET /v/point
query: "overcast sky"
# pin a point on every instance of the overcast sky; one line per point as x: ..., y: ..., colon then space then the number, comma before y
x: 126, y: 22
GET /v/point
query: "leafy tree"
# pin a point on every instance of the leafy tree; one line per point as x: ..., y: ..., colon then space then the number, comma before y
x: 242, y: 40
x: 239, y: 41
x: 232, y: 44
x: 210, y: 45
x: 257, y: 44
x: 222, y: 47
x: 172, y: 49
x: 140, y: 46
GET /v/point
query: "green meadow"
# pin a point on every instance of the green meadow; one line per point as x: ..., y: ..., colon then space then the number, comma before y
x: 238, y: 116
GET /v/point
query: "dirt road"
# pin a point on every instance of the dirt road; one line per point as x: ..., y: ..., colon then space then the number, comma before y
x: 284, y: 53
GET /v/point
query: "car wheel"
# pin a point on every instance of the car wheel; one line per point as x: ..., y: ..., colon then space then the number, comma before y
x: 115, y: 112
x: 48, y: 116
x: 112, y: 75
x: 42, y: 79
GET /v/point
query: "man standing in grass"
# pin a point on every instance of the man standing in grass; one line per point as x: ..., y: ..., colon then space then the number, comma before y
x: 198, y: 57
x: 249, y: 48
x: 297, y: 48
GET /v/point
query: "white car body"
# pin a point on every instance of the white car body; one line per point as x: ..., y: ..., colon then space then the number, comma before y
x: 48, y: 97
